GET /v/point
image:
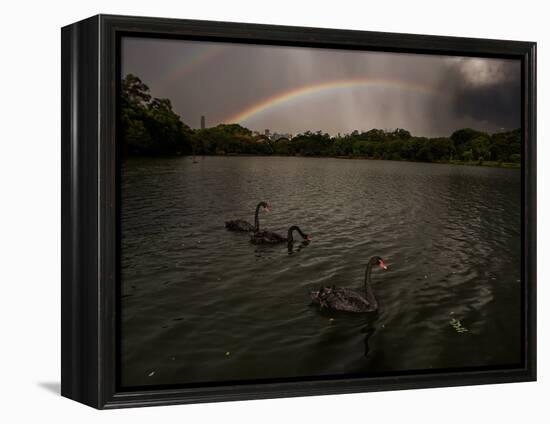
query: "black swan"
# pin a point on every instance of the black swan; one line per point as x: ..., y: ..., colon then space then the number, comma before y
x: 342, y: 299
x: 241, y: 225
x: 269, y: 237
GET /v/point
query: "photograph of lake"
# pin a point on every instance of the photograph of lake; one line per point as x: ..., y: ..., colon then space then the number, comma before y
x: 293, y: 213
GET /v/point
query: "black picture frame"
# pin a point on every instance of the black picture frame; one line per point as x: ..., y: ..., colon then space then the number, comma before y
x: 89, y: 178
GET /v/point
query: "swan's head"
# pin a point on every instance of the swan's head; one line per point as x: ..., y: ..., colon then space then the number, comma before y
x: 264, y: 206
x: 377, y: 260
x: 309, y: 237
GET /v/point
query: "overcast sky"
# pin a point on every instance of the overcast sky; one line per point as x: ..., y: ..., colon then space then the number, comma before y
x: 294, y: 89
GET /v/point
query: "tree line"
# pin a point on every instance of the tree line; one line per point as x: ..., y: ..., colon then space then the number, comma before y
x: 150, y: 127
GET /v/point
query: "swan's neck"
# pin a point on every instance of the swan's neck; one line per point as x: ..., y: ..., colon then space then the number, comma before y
x: 291, y: 230
x: 289, y: 236
x: 369, y: 293
x: 257, y: 219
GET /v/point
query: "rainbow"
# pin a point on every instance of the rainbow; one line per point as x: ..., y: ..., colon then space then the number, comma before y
x: 306, y: 90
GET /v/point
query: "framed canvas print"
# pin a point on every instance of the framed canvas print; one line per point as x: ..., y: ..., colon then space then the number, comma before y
x: 254, y: 211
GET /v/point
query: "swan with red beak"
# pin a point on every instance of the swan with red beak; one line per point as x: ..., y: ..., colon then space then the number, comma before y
x: 348, y: 300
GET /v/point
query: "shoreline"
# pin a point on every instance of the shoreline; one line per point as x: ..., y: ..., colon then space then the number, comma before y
x: 486, y: 164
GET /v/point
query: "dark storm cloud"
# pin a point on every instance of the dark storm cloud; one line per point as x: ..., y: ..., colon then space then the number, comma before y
x: 428, y: 95
x: 488, y: 91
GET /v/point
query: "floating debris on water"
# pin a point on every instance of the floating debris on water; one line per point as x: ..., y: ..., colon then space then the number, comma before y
x: 227, y: 353
x: 152, y: 373
x: 457, y: 325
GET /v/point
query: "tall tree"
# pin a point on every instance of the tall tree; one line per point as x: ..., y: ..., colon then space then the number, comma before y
x: 149, y: 126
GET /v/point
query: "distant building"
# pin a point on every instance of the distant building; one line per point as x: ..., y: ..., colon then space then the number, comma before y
x: 203, y: 122
x: 273, y: 136
x: 277, y: 136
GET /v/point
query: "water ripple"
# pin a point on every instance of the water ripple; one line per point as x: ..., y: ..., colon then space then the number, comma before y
x: 203, y: 304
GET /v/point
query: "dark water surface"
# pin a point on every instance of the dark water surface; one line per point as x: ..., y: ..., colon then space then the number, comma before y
x: 202, y: 304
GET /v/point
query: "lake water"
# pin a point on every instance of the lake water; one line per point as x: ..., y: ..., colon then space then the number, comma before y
x: 202, y: 304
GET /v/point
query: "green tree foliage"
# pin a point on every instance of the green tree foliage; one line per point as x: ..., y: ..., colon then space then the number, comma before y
x: 462, y: 136
x: 228, y: 139
x: 151, y: 127
x: 505, y: 146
